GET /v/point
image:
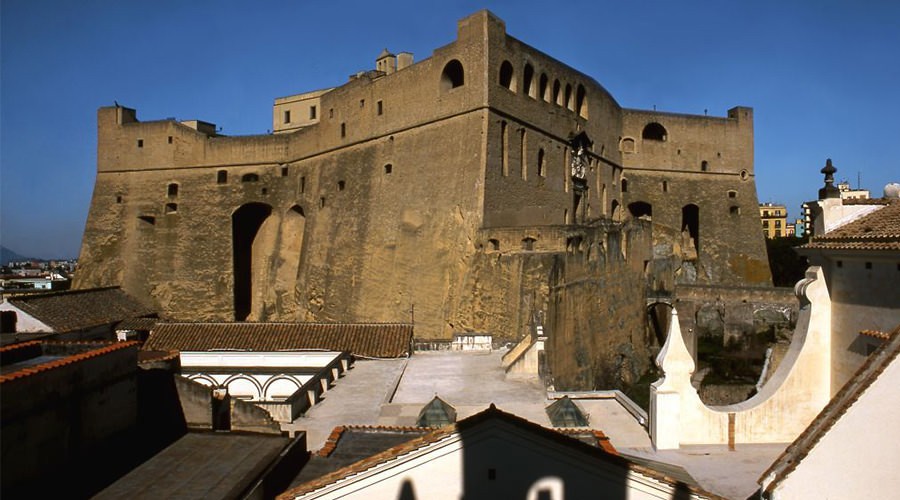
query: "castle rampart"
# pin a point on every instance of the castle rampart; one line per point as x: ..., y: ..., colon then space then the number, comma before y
x: 383, y: 205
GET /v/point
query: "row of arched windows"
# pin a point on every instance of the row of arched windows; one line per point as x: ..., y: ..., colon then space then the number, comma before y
x: 242, y: 386
x: 540, y: 88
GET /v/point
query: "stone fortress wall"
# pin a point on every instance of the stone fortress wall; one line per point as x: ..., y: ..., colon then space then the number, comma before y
x: 439, y: 190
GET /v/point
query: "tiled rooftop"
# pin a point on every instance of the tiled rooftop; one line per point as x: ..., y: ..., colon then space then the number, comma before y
x: 74, y: 310
x: 879, y: 230
x: 37, y: 350
x: 376, y: 340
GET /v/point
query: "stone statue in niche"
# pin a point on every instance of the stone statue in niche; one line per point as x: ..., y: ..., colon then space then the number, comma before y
x: 578, y: 163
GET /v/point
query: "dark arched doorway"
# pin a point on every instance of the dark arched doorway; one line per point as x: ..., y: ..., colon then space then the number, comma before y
x: 245, y: 224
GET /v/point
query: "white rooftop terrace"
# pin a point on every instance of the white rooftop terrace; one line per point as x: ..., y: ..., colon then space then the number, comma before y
x: 392, y: 392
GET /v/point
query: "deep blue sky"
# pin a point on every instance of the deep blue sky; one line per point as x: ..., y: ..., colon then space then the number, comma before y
x: 823, y: 77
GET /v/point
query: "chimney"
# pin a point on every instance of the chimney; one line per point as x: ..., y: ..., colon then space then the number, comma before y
x: 404, y: 59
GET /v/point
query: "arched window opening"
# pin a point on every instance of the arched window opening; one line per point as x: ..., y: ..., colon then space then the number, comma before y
x: 528, y: 81
x: 221, y: 177
x: 654, y: 132
x: 543, y: 88
x: 453, y: 75
x: 581, y: 102
x: 172, y: 190
x: 732, y: 194
x: 690, y: 224
x: 624, y: 185
x: 523, y: 164
x: 243, y: 387
x: 528, y: 244
x: 628, y: 145
x: 250, y: 178
x: 568, y: 98
x: 704, y: 166
x: 388, y: 168
x: 603, y: 198
x: 614, y: 210
x: 640, y: 209
x: 280, y: 388
x: 507, y: 76
x: 540, y: 163
x: 504, y: 147
x: 557, y: 96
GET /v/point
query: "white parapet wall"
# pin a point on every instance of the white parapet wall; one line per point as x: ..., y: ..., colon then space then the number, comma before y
x: 783, y: 408
x: 471, y: 342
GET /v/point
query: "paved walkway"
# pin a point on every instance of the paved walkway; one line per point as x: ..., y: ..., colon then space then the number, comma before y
x: 355, y: 399
x: 392, y: 392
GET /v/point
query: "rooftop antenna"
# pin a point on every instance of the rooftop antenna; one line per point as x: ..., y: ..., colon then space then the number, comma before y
x: 858, y: 179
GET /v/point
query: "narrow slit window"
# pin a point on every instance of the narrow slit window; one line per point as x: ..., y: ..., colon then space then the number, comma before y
x: 287, y: 116
x: 312, y: 112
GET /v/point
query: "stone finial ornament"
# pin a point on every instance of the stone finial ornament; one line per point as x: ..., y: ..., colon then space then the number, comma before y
x: 829, y: 191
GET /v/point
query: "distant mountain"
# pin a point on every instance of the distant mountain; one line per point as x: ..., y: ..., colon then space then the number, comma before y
x: 7, y: 255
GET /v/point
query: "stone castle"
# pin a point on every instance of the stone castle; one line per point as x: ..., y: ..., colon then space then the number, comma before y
x: 488, y: 188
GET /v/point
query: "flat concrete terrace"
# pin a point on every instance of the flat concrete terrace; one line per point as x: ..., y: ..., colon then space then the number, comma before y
x: 393, y: 392
x: 731, y: 474
x: 355, y: 399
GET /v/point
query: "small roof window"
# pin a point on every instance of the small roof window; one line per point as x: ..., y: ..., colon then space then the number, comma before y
x: 436, y: 413
x: 565, y: 413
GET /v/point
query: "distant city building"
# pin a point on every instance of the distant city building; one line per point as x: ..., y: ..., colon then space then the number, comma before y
x: 774, y: 220
x: 847, y: 193
x: 799, y: 227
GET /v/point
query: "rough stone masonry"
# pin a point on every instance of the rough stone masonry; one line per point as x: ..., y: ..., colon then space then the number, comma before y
x: 474, y: 190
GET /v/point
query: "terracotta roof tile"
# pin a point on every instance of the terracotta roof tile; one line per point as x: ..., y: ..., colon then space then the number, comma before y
x: 68, y: 360
x: 876, y: 334
x: 878, y: 230
x: 73, y: 310
x: 377, y: 340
